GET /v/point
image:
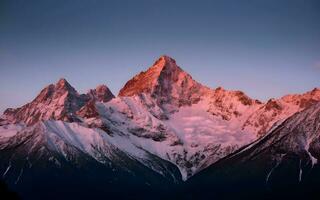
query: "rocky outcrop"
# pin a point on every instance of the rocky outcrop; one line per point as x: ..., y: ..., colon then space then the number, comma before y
x: 58, y: 101
x: 166, y: 82
x: 101, y: 94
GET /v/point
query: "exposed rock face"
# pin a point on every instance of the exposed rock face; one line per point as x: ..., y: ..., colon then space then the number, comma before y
x: 58, y: 101
x: 303, y: 100
x: 231, y: 104
x: 89, y: 110
x: 166, y: 82
x: 276, y: 110
x: 101, y: 94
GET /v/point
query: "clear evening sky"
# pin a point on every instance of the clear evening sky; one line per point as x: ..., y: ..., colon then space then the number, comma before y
x: 266, y: 48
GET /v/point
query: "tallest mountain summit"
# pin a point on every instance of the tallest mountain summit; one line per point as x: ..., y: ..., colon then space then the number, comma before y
x: 166, y: 82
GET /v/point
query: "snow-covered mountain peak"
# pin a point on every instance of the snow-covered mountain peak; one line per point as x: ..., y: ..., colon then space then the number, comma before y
x: 101, y: 93
x: 102, y: 88
x: 146, y: 81
x: 56, y: 90
x: 167, y: 83
x: 56, y: 101
x: 165, y: 63
x: 63, y: 84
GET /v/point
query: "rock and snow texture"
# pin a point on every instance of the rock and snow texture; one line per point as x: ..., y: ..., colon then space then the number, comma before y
x: 298, y: 135
x: 101, y: 93
x: 167, y: 83
x: 58, y: 101
x: 161, y: 113
x: 191, y: 137
x: 67, y: 139
x: 279, y: 109
x: 9, y: 130
x: 283, y: 162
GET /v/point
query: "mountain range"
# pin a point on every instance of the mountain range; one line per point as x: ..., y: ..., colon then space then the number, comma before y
x: 163, y: 136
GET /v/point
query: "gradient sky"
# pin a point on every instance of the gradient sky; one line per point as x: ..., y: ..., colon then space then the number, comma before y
x: 266, y: 48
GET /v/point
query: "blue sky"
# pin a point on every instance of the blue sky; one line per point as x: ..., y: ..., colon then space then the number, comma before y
x: 264, y: 48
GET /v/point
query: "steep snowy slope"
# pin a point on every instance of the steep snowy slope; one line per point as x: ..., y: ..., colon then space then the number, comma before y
x: 61, y: 137
x: 65, y: 153
x: 284, y: 163
x: 189, y: 137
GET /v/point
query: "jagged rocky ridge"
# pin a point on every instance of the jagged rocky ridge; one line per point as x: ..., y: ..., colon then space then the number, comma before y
x: 58, y: 102
x: 161, y: 119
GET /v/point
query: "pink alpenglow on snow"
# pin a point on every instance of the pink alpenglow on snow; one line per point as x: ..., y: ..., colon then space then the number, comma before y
x: 162, y: 111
